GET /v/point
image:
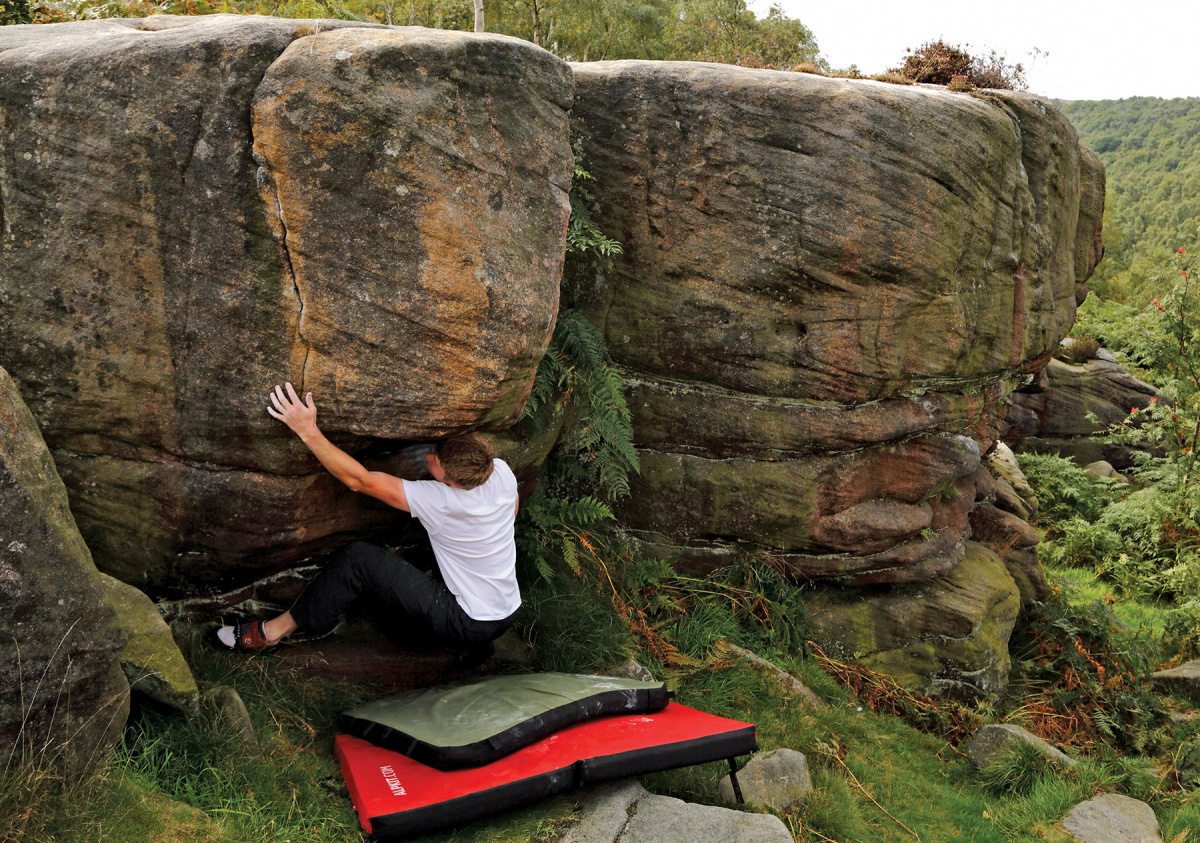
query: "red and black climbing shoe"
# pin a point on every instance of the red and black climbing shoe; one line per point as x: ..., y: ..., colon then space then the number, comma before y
x: 247, y: 636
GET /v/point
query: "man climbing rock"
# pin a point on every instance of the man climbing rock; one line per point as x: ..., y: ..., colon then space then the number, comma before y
x: 468, y: 511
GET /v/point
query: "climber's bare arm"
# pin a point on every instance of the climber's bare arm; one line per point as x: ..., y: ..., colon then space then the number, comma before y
x: 301, y: 417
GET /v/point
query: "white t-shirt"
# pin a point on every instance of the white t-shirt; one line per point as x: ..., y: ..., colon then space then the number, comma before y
x: 471, y: 531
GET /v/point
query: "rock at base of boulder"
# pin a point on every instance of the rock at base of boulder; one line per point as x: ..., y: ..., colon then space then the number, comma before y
x: 777, y: 779
x: 1112, y: 818
x: 991, y: 740
x: 1183, y: 680
x: 150, y: 657
x: 947, y: 637
x: 229, y: 715
x: 625, y: 812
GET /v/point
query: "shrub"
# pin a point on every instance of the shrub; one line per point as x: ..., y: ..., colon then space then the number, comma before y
x: 1079, y: 349
x: 940, y: 63
x: 1015, y: 769
x: 893, y: 78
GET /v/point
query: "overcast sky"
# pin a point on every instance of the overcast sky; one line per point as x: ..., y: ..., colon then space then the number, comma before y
x: 1101, y: 49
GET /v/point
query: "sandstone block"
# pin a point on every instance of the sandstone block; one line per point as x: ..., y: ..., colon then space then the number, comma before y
x: 825, y: 284
x: 1055, y: 420
x: 199, y: 208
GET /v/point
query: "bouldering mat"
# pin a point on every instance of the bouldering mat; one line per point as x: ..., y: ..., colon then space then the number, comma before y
x: 478, y: 721
x: 396, y: 796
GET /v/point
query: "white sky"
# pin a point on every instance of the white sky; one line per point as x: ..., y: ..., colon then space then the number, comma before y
x: 1102, y: 49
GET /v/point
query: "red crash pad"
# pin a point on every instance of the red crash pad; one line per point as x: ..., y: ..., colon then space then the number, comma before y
x: 396, y: 796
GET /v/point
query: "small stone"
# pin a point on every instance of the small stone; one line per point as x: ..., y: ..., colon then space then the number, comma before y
x: 513, y: 649
x: 991, y: 740
x: 630, y: 669
x: 1183, y: 680
x: 778, y: 779
x: 1112, y: 818
x: 1100, y: 468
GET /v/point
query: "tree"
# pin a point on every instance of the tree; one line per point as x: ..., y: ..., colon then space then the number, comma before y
x: 15, y: 11
x: 726, y: 31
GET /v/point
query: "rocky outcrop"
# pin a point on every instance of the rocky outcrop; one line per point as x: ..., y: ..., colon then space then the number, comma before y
x: 826, y: 290
x: 195, y: 209
x: 1053, y: 417
x: 63, y: 697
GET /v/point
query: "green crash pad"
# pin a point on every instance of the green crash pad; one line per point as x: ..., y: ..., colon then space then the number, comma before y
x: 467, y: 724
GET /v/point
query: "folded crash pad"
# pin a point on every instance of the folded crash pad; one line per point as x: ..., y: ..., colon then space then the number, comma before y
x: 396, y: 796
x: 467, y: 724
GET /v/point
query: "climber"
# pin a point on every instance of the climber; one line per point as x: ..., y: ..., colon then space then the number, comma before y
x: 468, y: 510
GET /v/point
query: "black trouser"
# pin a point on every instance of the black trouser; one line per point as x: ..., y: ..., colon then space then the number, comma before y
x: 365, y: 570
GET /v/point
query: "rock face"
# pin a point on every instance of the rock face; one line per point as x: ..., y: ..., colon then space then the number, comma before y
x: 1054, y: 418
x: 196, y: 209
x: 826, y: 290
x: 62, y: 692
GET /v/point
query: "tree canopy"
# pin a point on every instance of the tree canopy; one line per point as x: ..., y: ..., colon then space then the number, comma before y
x: 576, y: 30
x: 1151, y: 150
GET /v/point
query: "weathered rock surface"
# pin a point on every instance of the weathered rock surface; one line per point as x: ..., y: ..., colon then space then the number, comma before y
x: 1016, y: 543
x: 1113, y: 818
x: 992, y: 739
x: 1054, y: 419
x: 777, y: 779
x: 948, y: 636
x: 624, y: 812
x: 150, y: 657
x: 197, y: 208
x: 61, y: 687
x: 1183, y: 680
x: 827, y: 288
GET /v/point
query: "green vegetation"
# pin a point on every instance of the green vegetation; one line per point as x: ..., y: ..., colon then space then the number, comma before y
x: 1151, y: 151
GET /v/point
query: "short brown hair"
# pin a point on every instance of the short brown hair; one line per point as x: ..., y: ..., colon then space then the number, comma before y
x: 467, y: 460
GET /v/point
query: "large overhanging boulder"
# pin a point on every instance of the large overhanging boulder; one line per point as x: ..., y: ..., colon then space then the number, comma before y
x: 827, y: 288
x: 63, y: 696
x: 196, y: 209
